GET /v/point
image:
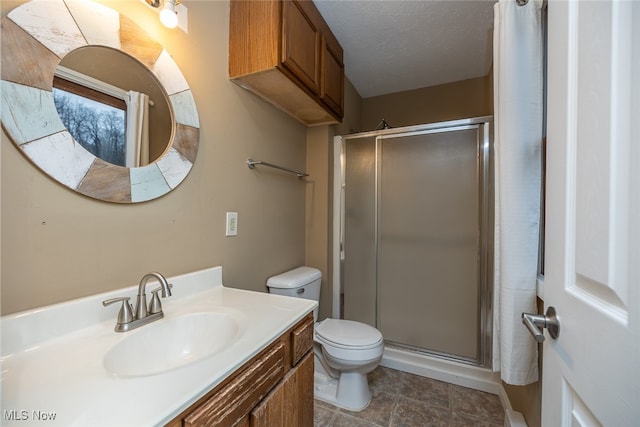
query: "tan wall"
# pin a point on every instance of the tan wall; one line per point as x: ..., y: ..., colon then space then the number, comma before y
x: 527, y: 400
x: 457, y: 100
x: 58, y: 245
x: 318, y: 215
x: 352, y: 120
x: 319, y: 198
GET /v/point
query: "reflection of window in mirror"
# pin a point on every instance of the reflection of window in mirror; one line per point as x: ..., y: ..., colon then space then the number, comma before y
x: 94, y: 119
x: 110, y: 122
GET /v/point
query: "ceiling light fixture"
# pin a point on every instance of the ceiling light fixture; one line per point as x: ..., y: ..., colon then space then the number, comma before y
x: 168, y: 14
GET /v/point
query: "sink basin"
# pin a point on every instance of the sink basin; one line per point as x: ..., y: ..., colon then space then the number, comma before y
x: 168, y: 344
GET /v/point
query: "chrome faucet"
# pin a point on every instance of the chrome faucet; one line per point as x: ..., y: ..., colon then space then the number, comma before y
x: 129, y: 319
x: 141, y: 301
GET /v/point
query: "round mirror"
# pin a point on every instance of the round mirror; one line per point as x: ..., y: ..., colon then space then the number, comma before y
x: 88, y: 48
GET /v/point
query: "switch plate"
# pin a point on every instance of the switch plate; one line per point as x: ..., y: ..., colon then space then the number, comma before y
x: 232, y: 224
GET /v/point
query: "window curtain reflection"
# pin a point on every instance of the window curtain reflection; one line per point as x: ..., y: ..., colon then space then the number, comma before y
x: 137, y: 129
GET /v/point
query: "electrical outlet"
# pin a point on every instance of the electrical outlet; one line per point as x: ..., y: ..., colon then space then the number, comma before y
x: 232, y: 224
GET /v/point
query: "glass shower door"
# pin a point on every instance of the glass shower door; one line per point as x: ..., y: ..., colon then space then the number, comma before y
x: 428, y: 252
x: 359, y: 244
x: 417, y: 242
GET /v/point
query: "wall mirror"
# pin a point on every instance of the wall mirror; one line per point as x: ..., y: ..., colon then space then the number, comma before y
x: 80, y: 46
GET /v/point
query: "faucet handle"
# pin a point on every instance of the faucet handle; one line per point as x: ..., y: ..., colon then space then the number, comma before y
x: 156, y: 306
x: 125, y: 315
x: 159, y: 288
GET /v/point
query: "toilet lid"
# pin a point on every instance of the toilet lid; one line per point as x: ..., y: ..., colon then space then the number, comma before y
x: 347, y: 333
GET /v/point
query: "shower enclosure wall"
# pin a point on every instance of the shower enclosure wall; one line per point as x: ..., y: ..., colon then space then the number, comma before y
x: 416, y: 236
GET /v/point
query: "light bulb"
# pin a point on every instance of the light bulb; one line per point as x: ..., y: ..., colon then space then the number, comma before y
x: 168, y: 16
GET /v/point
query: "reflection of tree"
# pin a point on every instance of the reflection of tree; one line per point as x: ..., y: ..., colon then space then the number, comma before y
x: 101, y: 132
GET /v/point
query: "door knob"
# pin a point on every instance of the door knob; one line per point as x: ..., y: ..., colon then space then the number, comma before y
x: 549, y: 320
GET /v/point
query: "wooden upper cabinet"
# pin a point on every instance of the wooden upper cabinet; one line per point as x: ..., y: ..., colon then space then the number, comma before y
x: 284, y: 52
x: 332, y: 85
x: 301, y: 45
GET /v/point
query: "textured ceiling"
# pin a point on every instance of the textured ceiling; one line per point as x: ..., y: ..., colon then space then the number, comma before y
x: 396, y: 45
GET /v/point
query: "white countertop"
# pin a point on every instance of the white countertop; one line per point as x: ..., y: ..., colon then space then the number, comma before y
x: 52, y: 357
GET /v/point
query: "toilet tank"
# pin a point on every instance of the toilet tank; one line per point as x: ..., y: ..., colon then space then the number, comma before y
x: 301, y: 282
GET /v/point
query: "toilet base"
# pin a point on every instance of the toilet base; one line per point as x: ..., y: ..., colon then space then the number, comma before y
x: 350, y: 392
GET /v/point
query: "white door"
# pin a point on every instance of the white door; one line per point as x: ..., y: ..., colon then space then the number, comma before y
x: 591, y: 373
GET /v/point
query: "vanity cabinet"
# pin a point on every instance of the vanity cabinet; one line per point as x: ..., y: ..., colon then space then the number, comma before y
x: 284, y: 52
x: 279, y: 408
x: 273, y: 388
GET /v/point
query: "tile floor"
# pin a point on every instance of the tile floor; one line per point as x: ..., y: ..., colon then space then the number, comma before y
x: 402, y: 399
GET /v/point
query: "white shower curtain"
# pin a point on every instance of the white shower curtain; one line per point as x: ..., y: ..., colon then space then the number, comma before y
x: 518, y: 110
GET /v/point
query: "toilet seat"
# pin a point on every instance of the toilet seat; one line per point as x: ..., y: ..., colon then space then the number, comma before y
x: 348, y: 335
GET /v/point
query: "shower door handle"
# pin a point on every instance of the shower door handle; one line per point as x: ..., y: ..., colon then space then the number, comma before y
x: 549, y: 320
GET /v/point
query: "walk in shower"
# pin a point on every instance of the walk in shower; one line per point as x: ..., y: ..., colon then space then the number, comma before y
x: 416, y: 227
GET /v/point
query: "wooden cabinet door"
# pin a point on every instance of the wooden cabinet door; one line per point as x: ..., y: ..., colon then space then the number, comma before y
x: 302, y: 339
x: 230, y: 405
x: 290, y: 404
x: 300, y: 45
x: 332, y: 93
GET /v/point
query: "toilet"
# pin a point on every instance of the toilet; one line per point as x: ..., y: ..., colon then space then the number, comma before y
x: 345, y: 351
